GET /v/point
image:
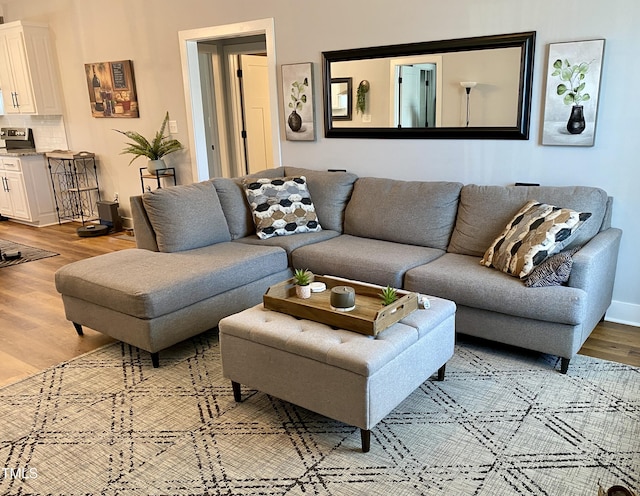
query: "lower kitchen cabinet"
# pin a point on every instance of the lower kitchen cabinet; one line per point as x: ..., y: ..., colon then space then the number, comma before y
x: 25, y: 190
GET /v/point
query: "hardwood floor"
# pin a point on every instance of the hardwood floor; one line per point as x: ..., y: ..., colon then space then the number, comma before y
x: 34, y: 333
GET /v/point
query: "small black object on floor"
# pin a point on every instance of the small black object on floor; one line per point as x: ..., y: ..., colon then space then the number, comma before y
x: 10, y: 255
x: 92, y: 230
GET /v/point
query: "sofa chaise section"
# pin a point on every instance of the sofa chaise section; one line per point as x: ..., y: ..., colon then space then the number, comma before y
x: 191, y: 278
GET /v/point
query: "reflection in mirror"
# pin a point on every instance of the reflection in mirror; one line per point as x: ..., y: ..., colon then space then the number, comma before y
x: 341, y: 98
x: 417, y: 91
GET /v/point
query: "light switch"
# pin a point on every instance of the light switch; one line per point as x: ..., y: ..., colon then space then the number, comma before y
x: 173, y: 127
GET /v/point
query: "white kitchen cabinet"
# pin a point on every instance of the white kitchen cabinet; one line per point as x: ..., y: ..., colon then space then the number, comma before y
x: 28, y: 71
x: 25, y: 190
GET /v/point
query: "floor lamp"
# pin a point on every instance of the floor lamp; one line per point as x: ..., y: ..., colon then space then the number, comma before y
x: 467, y: 85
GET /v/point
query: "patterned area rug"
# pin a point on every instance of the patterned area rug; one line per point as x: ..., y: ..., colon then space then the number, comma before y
x: 502, y: 422
x: 28, y: 253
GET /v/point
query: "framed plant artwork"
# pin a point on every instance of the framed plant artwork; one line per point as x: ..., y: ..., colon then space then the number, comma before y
x: 571, y: 99
x: 112, y: 89
x: 298, y: 101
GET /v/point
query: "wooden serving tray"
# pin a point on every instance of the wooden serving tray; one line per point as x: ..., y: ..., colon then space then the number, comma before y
x: 368, y: 317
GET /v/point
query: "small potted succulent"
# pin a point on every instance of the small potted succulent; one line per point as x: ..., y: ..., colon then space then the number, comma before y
x: 302, y: 278
x: 388, y: 296
x: 154, y: 150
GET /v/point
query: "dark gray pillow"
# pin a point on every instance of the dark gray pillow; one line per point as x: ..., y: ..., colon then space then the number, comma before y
x: 554, y: 271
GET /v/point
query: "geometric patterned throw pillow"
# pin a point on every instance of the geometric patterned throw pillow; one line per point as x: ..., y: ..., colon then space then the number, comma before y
x: 535, y: 233
x: 281, y: 206
x: 554, y: 271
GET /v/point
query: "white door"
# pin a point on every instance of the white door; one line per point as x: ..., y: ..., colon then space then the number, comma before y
x: 421, y: 103
x: 257, y: 112
x: 409, y: 94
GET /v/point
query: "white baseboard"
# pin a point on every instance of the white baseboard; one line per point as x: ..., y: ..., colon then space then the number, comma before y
x: 624, y: 313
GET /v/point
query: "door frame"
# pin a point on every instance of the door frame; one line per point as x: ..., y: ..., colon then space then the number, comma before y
x: 231, y: 53
x: 188, y: 40
x: 411, y: 60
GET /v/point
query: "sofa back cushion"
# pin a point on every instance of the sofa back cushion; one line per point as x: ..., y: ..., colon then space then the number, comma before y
x: 186, y: 217
x: 485, y: 210
x: 411, y: 212
x: 145, y: 236
x: 234, y: 202
x: 330, y: 192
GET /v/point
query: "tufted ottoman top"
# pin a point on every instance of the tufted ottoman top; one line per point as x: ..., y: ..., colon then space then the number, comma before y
x: 358, y: 353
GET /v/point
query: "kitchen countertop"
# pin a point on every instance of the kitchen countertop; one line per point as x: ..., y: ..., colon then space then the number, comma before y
x: 18, y: 153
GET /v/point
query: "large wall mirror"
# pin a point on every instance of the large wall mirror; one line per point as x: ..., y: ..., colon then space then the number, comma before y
x: 464, y: 88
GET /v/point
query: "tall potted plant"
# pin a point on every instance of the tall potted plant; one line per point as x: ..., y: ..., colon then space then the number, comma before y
x: 154, y: 149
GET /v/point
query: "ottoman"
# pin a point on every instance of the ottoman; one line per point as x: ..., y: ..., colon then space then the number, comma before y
x: 347, y: 376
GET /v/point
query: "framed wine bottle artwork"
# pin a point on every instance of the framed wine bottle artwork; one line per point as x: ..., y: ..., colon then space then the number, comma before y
x: 112, y: 89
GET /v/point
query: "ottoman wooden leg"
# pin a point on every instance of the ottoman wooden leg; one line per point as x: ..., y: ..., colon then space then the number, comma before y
x: 78, y: 329
x: 155, y: 360
x: 441, y: 372
x: 365, y: 435
x: 236, y: 391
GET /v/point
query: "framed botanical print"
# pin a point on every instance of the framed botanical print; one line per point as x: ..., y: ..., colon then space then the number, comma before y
x: 571, y: 100
x: 298, y: 101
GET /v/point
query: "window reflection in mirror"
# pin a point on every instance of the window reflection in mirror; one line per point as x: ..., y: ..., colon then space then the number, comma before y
x: 416, y: 90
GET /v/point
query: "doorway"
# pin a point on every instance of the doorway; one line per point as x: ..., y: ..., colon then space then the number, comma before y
x: 416, y: 91
x: 210, y: 56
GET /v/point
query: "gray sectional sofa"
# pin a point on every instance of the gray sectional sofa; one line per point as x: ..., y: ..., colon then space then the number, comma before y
x: 198, y: 258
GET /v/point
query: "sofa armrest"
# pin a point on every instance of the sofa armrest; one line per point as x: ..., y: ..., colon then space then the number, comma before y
x: 142, y: 229
x: 594, y: 269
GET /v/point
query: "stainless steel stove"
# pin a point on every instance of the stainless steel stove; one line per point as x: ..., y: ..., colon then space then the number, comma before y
x: 18, y: 139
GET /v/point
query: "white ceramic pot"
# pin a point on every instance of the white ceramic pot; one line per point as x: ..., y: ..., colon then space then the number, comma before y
x: 303, y: 292
x: 155, y: 165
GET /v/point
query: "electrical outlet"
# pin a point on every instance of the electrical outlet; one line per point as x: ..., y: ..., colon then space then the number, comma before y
x: 116, y: 197
x: 173, y: 127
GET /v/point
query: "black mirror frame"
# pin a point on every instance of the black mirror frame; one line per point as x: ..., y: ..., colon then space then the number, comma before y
x: 526, y: 41
x: 349, y: 83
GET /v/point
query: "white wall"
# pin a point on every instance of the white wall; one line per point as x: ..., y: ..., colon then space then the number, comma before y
x: 145, y: 31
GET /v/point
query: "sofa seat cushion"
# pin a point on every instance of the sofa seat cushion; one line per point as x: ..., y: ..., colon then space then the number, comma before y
x: 410, y: 212
x: 485, y: 210
x: 462, y: 279
x: 148, y: 284
x: 363, y: 259
x: 290, y: 243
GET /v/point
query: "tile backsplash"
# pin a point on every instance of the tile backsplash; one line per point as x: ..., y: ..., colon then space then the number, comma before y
x: 48, y: 130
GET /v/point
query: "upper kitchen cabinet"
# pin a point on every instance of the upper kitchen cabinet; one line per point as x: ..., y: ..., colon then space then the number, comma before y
x: 28, y: 72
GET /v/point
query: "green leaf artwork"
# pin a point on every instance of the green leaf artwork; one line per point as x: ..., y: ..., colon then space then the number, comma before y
x: 298, y: 97
x: 574, y: 81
